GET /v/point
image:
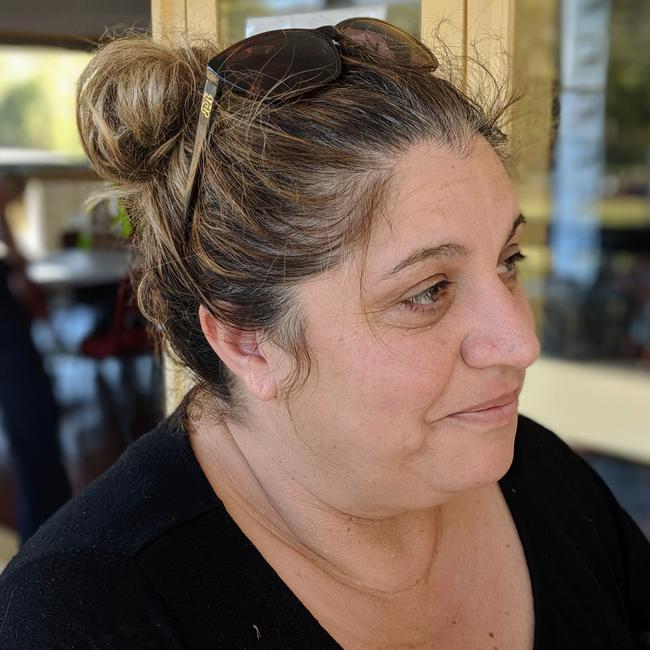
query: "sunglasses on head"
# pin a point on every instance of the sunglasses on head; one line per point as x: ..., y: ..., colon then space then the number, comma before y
x: 287, y: 62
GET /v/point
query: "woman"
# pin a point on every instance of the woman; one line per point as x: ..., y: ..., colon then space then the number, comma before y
x: 28, y: 407
x: 332, y: 252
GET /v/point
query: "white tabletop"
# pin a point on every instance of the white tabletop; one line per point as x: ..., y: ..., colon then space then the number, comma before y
x: 79, y: 268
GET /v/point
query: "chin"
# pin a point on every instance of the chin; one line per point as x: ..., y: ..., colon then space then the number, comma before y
x: 483, y: 456
x: 495, y: 454
x: 474, y: 456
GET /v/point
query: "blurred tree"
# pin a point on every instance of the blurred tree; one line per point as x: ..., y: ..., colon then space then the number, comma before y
x: 628, y: 84
x: 22, y: 123
x: 37, y: 95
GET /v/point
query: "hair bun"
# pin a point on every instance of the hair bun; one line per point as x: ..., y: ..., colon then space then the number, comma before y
x: 132, y: 105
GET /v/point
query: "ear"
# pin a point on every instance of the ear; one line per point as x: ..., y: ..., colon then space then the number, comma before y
x: 240, y: 351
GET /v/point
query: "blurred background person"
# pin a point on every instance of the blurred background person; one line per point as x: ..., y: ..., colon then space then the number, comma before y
x: 27, y: 404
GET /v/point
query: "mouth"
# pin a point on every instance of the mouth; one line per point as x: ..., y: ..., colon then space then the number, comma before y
x: 493, y: 416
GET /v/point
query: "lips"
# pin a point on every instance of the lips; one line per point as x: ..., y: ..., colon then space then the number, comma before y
x: 501, y: 400
x: 496, y: 412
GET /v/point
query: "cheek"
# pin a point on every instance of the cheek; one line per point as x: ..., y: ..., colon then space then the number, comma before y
x: 389, y: 376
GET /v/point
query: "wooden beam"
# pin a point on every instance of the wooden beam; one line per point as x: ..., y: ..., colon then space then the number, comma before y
x: 481, y: 29
x: 490, y: 34
x: 203, y: 18
x: 535, y: 72
x: 173, y: 21
x: 444, y: 20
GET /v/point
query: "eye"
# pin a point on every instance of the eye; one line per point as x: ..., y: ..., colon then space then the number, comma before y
x: 509, y: 266
x: 428, y: 299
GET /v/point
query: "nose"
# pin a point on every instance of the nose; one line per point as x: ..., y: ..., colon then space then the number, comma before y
x: 502, y: 329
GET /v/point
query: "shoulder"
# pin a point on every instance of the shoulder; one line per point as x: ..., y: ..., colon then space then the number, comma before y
x: 81, y: 599
x: 154, y: 486
x: 532, y: 435
x: 541, y: 453
x: 81, y: 573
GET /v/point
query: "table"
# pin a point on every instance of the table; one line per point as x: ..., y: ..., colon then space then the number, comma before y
x: 77, y: 269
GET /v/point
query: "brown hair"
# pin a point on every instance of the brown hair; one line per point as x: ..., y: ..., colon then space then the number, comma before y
x: 285, y: 189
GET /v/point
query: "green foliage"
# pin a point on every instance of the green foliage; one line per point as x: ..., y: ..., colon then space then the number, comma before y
x: 122, y: 222
x: 37, y: 95
x: 628, y: 84
x: 22, y: 123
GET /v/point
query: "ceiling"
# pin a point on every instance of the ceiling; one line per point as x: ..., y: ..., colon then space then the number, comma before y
x: 75, y: 24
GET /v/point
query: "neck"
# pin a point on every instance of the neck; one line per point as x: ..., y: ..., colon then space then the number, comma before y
x: 382, y: 557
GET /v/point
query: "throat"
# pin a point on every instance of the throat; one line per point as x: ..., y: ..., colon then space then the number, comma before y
x: 442, y: 577
x: 376, y: 560
x: 381, y: 557
x: 476, y: 594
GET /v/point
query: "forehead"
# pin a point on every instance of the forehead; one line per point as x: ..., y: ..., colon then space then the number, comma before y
x: 436, y: 197
x: 439, y: 195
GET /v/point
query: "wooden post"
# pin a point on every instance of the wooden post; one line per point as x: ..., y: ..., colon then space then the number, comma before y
x: 173, y: 20
x: 483, y: 29
x: 445, y: 20
x: 490, y: 34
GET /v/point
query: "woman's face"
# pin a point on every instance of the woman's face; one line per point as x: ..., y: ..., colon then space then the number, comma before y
x: 440, y: 327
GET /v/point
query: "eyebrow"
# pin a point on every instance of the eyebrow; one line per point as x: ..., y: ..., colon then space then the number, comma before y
x: 444, y: 251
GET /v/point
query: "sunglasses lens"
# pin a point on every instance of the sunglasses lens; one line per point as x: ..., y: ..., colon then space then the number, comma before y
x: 388, y: 41
x: 278, y: 62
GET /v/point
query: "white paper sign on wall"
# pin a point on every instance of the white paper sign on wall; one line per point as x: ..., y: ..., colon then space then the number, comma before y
x: 312, y: 19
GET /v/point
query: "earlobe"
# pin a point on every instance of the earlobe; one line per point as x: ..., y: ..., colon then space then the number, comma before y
x: 240, y: 351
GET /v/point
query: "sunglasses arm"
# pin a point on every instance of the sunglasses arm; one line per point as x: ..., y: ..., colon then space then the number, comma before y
x: 207, y: 104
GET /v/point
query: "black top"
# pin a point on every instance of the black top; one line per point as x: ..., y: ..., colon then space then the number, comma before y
x: 148, y: 557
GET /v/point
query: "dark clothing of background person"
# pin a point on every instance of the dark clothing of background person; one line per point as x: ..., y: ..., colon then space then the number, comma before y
x: 27, y: 405
x: 148, y: 557
x: 29, y: 416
